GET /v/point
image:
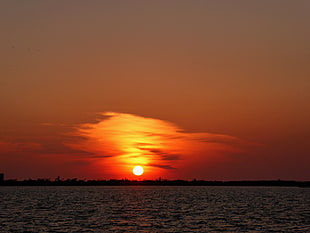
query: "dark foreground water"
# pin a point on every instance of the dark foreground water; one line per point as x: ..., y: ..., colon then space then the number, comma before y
x: 154, y: 209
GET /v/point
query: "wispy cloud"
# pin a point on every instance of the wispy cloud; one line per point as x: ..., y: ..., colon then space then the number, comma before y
x: 12, y: 146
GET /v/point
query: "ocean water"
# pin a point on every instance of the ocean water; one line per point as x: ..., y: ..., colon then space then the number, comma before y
x: 154, y: 209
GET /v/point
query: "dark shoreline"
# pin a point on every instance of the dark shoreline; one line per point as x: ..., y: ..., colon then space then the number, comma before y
x: 125, y: 182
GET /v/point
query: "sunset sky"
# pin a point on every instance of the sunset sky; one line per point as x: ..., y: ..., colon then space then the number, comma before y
x: 214, y: 90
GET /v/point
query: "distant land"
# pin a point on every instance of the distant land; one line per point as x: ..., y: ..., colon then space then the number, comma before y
x: 157, y: 182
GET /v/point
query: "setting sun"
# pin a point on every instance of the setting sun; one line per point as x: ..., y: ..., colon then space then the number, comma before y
x: 138, y: 170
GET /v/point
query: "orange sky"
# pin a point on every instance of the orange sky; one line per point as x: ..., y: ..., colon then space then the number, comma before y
x: 236, y: 73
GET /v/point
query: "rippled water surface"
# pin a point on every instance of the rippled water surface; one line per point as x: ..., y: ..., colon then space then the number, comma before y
x: 154, y: 209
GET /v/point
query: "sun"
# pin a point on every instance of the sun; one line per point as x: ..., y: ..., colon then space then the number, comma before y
x: 138, y: 170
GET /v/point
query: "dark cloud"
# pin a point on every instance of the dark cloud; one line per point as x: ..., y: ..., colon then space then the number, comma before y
x: 161, y: 154
x: 161, y: 166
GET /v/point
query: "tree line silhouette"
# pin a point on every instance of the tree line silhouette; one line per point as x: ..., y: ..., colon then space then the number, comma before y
x: 159, y: 182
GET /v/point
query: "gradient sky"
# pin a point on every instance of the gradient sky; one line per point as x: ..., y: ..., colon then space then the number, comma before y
x: 189, y: 89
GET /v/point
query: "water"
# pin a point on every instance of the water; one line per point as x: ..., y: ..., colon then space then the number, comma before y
x: 154, y: 209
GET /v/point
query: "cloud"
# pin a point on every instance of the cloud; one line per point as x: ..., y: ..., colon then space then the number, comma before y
x: 127, y: 140
x: 161, y: 166
x: 12, y: 146
x: 162, y: 154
